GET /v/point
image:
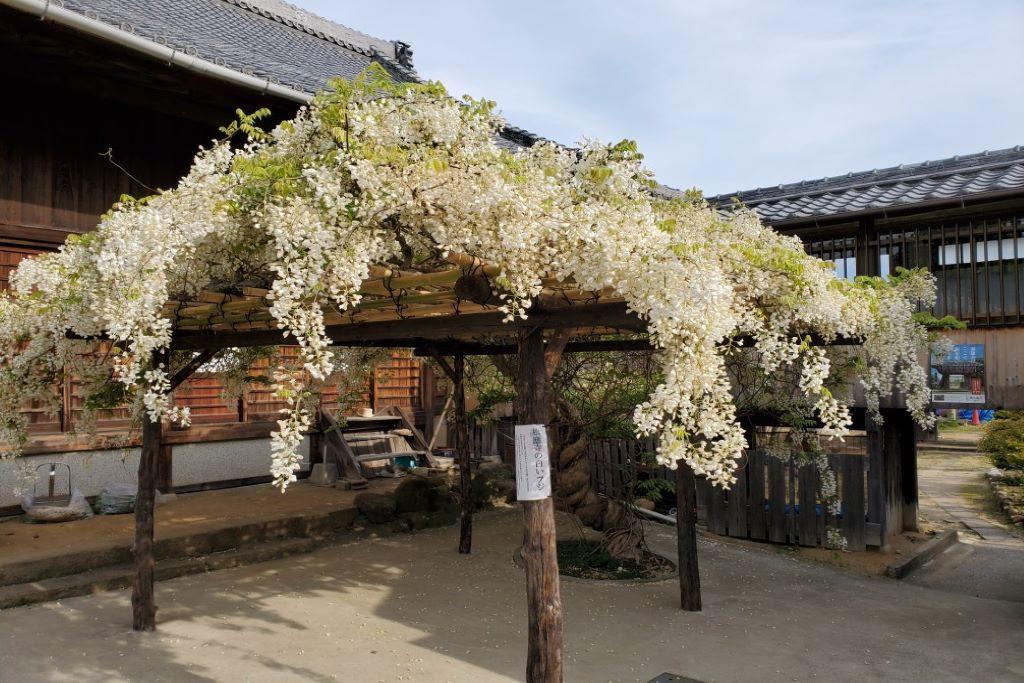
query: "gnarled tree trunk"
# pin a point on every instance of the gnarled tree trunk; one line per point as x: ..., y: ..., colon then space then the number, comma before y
x: 623, y: 531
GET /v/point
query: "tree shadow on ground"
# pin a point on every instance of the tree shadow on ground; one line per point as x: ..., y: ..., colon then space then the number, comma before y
x: 409, y: 605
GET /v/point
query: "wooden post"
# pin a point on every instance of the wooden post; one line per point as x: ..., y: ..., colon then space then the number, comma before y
x: 540, y: 558
x: 908, y: 470
x: 456, y: 373
x: 143, y: 602
x: 462, y: 441
x: 876, y: 484
x: 316, y: 443
x: 686, y: 538
x: 165, y: 468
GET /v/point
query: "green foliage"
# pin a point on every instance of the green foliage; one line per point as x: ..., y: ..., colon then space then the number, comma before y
x: 106, y: 396
x: 1013, y: 478
x: 247, y: 125
x: 1003, y: 441
x: 596, y: 393
x: 946, y: 322
x: 658, y: 491
x: 488, y: 398
x: 900, y: 276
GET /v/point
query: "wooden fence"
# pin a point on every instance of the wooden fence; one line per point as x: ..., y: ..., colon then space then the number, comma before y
x: 777, y: 500
x: 395, y: 382
x: 773, y: 500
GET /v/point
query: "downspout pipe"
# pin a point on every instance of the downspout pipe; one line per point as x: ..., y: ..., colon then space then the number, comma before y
x: 54, y: 10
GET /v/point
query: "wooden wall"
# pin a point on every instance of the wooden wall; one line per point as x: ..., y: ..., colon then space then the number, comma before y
x: 1004, y: 363
x: 396, y: 383
x: 54, y: 179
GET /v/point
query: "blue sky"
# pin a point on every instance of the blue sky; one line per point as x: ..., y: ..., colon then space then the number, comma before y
x: 727, y: 95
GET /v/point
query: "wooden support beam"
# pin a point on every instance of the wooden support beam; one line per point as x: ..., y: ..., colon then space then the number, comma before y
x: 449, y: 348
x: 472, y: 348
x: 462, y: 441
x: 908, y: 469
x: 143, y: 601
x: 165, y: 467
x: 190, y: 368
x: 686, y: 538
x: 545, y: 646
x: 413, y: 332
x: 876, y: 484
x: 456, y: 372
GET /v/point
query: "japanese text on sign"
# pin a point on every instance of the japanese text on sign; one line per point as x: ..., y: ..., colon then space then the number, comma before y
x: 533, y: 469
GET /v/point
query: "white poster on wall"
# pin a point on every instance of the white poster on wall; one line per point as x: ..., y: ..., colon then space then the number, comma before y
x: 533, y: 469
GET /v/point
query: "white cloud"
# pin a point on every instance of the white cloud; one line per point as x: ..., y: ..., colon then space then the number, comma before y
x: 728, y: 95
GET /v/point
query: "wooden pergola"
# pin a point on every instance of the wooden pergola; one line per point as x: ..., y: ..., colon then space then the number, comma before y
x: 450, y: 309
x: 447, y: 310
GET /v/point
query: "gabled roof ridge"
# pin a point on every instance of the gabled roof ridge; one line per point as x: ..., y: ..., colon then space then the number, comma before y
x: 303, y: 20
x: 524, y: 137
x: 935, y: 168
x: 978, y: 176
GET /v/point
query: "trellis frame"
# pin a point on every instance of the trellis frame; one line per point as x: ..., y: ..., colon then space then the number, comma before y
x: 438, y: 308
x: 451, y: 310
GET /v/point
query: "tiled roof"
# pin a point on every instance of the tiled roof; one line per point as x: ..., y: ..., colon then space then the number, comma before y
x: 930, y: 181
x: 266, y: 38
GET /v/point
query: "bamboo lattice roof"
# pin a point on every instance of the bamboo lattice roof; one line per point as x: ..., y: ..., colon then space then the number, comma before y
x: 401, y: 307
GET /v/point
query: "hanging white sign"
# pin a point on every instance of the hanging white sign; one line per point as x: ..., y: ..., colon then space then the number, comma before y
x: 533, y: 469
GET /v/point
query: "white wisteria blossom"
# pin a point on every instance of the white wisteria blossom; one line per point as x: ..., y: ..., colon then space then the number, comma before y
x: 374, y: 172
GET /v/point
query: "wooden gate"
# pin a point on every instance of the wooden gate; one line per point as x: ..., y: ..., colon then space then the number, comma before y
x: 777, y: 500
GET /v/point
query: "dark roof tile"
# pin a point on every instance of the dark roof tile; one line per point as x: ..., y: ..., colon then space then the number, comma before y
x: 267, y: 38
x: 958, y: 176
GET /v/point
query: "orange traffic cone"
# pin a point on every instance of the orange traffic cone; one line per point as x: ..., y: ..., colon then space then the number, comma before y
x: 975, y: 417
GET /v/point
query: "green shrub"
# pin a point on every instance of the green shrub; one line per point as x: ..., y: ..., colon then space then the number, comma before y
x: 658, y: 491
x: 1003, y: 441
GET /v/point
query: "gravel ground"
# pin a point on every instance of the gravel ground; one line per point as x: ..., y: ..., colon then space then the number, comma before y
x: 410, y: 608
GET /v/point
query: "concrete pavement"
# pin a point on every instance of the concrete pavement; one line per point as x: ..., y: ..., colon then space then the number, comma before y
x: 988, y: 561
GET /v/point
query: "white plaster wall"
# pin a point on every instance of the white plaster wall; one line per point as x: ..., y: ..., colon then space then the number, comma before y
x: 91, y: 471
x: 197, y: 463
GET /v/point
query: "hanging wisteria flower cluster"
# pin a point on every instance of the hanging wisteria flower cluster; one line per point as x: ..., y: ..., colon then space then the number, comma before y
x: 373, y: 172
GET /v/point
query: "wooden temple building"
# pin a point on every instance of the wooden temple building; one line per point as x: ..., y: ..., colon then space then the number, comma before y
x: 962, y: 218
x: 114, y: 97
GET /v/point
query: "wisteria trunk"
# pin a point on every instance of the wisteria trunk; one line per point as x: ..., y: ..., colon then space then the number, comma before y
x: 577, y: 493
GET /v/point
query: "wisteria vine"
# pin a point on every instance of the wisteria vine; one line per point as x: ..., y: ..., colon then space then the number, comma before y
x: 375, y: 173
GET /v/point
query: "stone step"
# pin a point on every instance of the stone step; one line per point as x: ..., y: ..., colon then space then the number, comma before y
x: 184, y: 546
x: 119, y: 576
x: 947, y: 447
